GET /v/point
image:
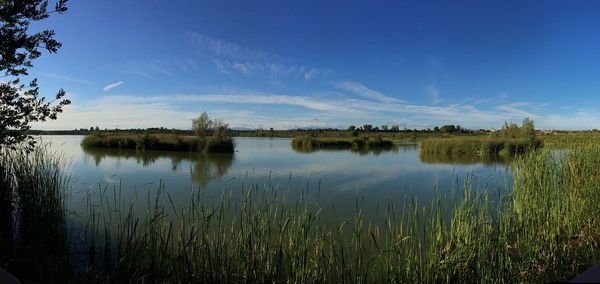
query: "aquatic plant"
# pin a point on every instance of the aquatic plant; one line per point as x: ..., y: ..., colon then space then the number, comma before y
x: 160, y: 142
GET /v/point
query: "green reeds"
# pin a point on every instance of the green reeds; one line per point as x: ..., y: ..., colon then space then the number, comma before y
x: 160, y: 142
x: 488, y: 147
x: 34, y: 241
x: 308, y: 143
x: 544, y: 230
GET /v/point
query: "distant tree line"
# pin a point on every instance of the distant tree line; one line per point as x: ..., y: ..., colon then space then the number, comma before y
x: 395, y: 128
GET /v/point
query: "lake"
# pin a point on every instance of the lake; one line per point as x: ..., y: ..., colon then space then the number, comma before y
x: 328, y: 177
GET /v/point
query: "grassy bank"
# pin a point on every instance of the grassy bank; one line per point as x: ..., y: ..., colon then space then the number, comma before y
x: 160, y: 142
x: 308, y: 143
x: 483, y: 146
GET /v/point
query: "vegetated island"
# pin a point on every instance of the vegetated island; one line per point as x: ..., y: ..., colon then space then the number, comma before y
x: 211, y: 136
x: 509, y: 141
x: 308, y: 143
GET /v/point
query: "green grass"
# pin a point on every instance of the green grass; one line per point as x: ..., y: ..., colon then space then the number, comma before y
x: 160, y: 142
x: 483, y: 146
x: 544, y: 230
x: 570, y: 139
x: 34, y: 241
x: 308, y: 143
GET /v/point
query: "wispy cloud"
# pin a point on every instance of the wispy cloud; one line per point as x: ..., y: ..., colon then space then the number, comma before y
x: 362, y: 90
x: 433, y: 93
x: 221, y: 67
x: 516, y: 110
x: 150, y: 68
x: 270, y: 70
x: 251, y: 109
x: 65, y: 78
x: 224, y: 49
x: 235, y: 58
x: 112, y: 86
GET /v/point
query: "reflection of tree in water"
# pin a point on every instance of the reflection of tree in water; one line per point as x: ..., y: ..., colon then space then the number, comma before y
x: 362, y: 151
x: 437, y: 158
x: 211, y: 166
x: 204, y: 167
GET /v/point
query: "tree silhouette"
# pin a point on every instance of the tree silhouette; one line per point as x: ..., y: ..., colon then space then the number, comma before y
x: 21, y: 104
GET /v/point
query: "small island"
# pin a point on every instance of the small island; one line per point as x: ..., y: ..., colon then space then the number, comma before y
x: 509, y: 141
x: 309, y: 143
x: 211, y: 136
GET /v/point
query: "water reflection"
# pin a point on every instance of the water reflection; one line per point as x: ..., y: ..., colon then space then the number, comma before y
x: 203, y: 167
x: 437, y: 158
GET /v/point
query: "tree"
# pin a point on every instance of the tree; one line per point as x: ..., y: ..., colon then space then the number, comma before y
x: 448, y: 128
x: 351, y: 128
x: 21, y: 104
x: 367, y: 127
x: 220, y: 129
x: 384, y: 127
x: 204, y: 125
x: 201, y: 125
x: 527, y: 128
x: 512, y: 130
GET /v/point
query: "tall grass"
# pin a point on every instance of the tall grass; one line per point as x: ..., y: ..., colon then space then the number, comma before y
x: 545, y: 230
x: 308, y: 143
x: 160, y: 142
x: 34, y: 241
x: 481, y: 146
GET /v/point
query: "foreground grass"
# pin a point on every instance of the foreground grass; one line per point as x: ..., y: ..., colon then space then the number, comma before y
x: 34, y: 241
x: 545, y: 230
x: 167, y: 142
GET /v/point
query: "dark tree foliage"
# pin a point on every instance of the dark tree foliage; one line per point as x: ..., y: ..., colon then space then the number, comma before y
x: 21, y: 104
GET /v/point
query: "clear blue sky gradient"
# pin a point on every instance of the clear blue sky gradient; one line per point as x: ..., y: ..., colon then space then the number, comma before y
x: 287, y: 64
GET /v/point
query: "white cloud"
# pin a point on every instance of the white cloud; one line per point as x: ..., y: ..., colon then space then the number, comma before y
x: 221, y: 67
x: 243, y: 108
x: 231, y: 57
x: 362, y: 90
x: 434, y: 94
x: 312, y: 73
x: 224, y: 49
x: 151, y: 68
x: 112, y: 86
x: 516, y: 110
x: 269, y: 70
x: 65, y: 78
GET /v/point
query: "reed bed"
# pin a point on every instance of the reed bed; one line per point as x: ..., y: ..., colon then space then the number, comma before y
x: 544, y: 230
x: 34, y: 240
x: 484, y: 146
x: 570, y: 139
x: 308, y: 143
x: 160, y: 142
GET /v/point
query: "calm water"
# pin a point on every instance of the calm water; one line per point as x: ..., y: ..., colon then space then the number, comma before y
x: 332, y: 177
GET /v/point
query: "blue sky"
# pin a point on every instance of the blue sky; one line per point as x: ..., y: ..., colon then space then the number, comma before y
x: 287, y: 64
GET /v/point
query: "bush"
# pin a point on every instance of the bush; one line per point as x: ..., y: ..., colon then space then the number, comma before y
x: 219, y: 145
